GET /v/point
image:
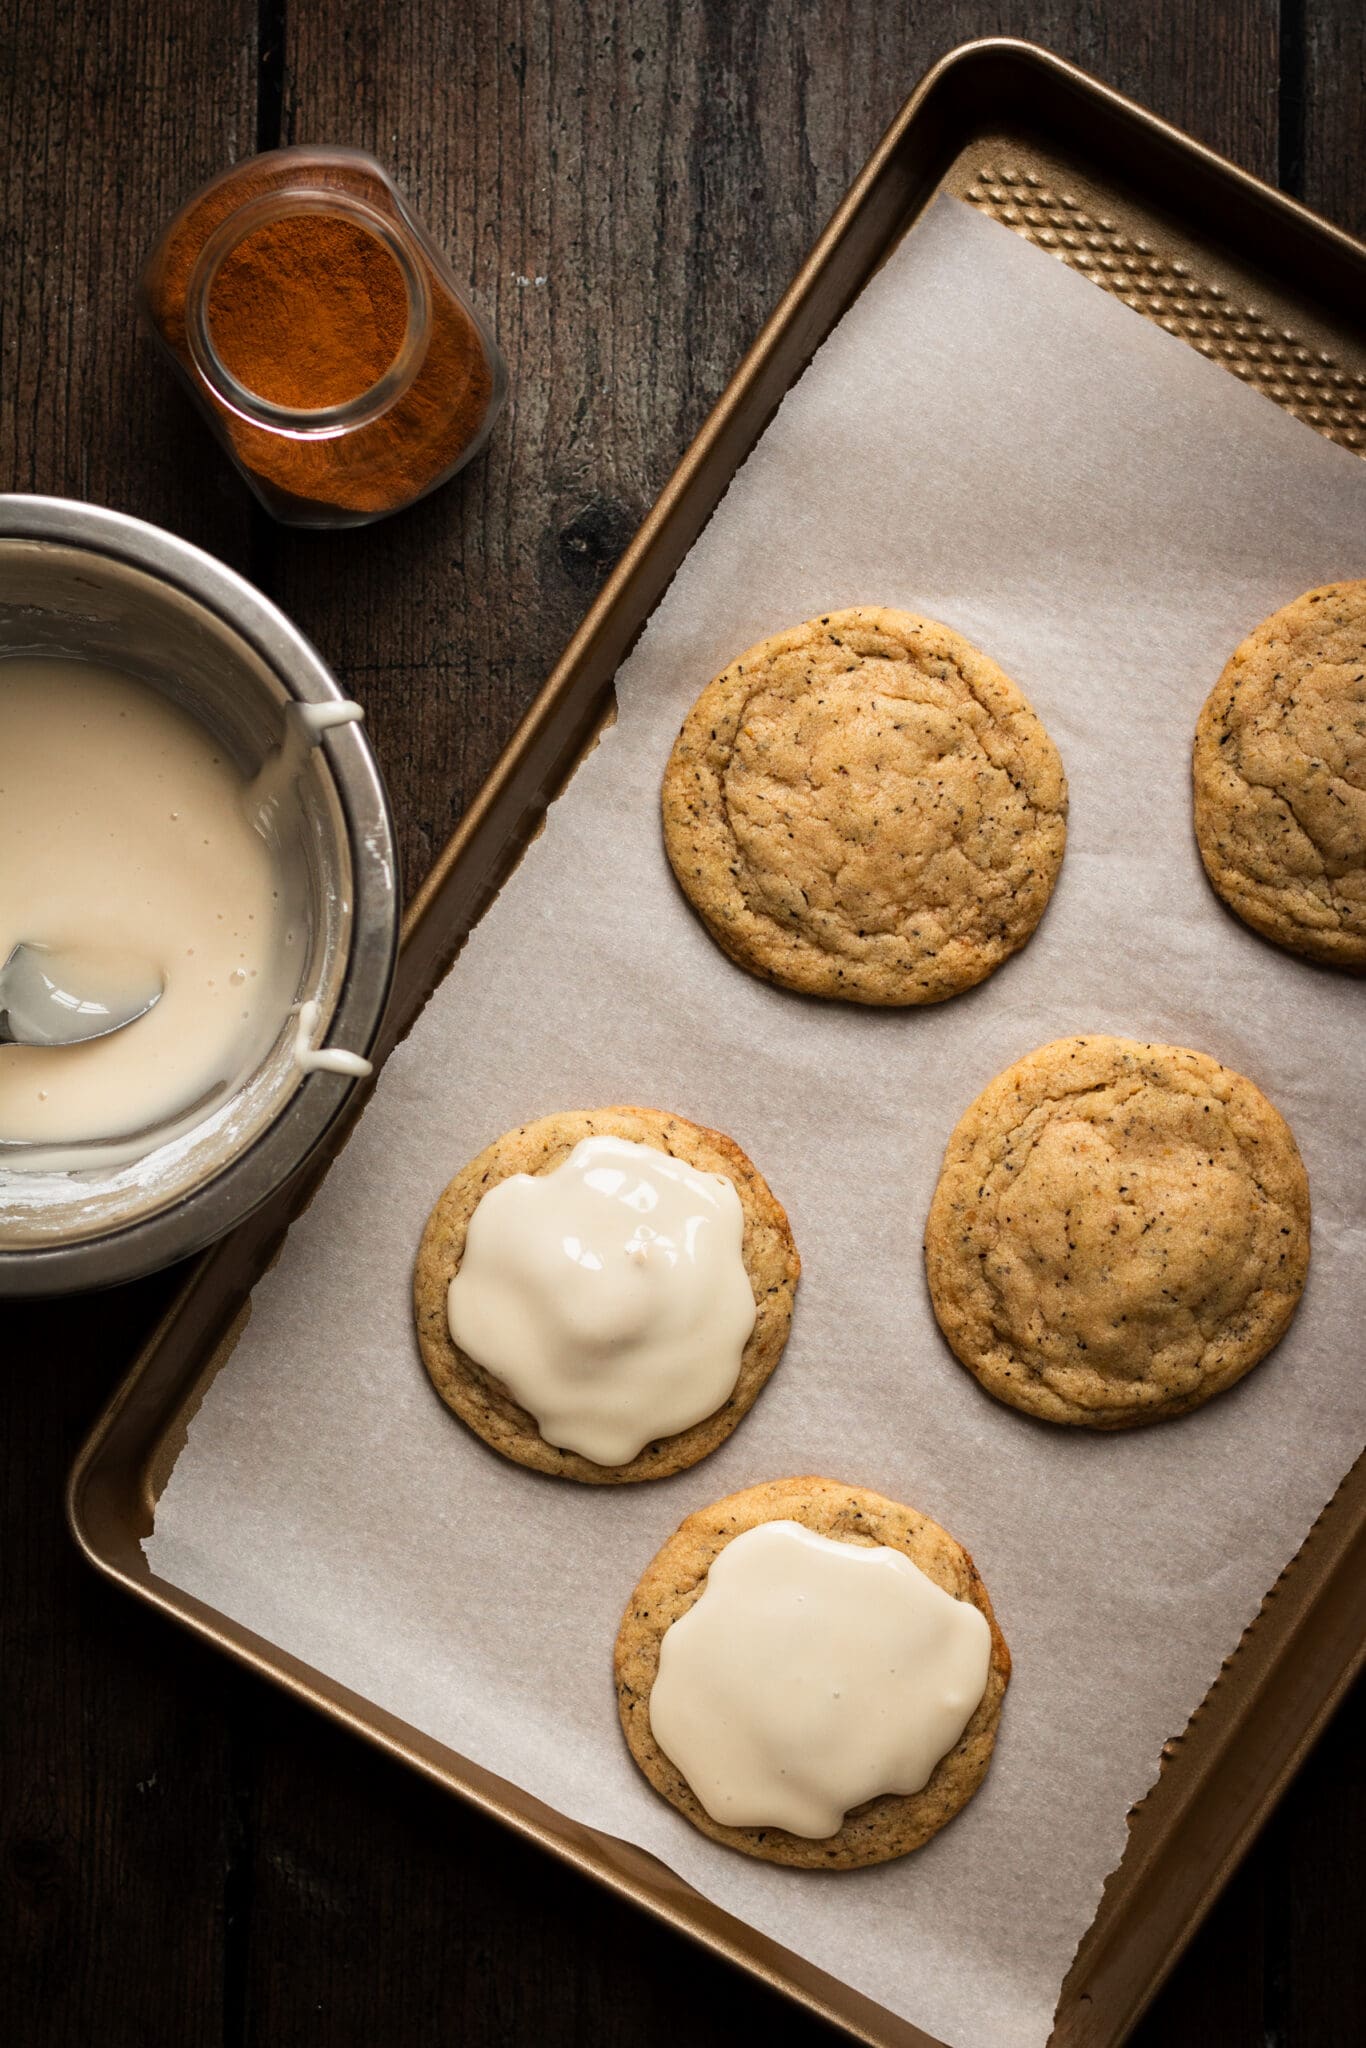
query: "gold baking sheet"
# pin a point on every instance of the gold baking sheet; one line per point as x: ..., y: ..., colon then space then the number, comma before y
x: 1079, y: 164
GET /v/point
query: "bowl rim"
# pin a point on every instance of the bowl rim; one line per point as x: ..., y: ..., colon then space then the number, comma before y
x: 196, y: 1219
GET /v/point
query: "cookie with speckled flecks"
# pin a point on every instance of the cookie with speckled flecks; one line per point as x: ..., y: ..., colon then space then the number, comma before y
x: 1280, y: 777
x: 892, y: 1824
x: 484, y: 1404
x: 1119, y: 1232
x: 865, y: 807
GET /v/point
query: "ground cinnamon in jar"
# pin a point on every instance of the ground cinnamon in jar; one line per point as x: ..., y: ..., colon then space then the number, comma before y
x: 308, y: 312
x: 324, y: 336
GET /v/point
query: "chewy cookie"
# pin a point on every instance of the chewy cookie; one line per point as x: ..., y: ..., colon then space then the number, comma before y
x: 884, y: 1827
x: 484, y: 1404
x: 866, y: 807
x: 1119, y: 1232
x: 1280, y: 777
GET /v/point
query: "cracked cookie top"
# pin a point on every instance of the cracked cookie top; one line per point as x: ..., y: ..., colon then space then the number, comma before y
x: 1280, y: 777
x: 865, y: 807
x: 1119, y: 1232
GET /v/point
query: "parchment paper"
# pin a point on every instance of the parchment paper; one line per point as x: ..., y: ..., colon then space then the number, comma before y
x: 989, y: 439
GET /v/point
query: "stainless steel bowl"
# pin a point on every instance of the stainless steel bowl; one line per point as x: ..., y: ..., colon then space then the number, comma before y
x: 76, y: 580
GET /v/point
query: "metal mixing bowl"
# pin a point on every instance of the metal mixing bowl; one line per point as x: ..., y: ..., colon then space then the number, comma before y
x: 79, y: 581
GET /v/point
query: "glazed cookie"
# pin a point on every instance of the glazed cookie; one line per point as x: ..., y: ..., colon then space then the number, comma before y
x: 595, y: 1324
x: 767, y: 1687
x: 1280, y: 777
x: 1119, y: 1232
x: 866, y: 807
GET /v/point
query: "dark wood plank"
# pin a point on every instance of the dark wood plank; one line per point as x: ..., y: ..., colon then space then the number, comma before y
x: 1312, y: 1859
x: 110, y: 117
x: 113, y: 1792
x: 1332, y: 86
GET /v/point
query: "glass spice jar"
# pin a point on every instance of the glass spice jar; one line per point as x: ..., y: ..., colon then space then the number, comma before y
x: 323, y: 335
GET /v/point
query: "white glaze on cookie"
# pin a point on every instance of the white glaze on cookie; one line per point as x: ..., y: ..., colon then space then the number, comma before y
x: 609, y: 1296
x: 812, y: 1675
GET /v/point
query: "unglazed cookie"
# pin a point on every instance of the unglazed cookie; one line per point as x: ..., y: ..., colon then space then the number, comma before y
x: 1119, y: 1232
x: 866, y: 807
x: 485, y: 1404
x: 881, y: 1828
x: 1280, y: 777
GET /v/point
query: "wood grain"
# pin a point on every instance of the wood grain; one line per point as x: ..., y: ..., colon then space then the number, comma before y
x: 626, y: 185
x: 1331, y: 81
x: 115, y: 1742
x: 110, y: 116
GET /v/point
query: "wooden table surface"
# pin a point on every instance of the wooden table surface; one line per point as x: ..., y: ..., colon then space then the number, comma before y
x: 185, y: 1857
